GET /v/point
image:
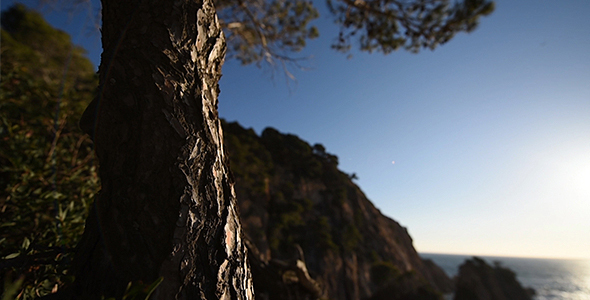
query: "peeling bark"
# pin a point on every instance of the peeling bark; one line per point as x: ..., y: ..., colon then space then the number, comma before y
x: 167, y: 205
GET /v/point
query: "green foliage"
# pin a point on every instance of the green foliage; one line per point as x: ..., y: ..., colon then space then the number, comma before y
x: 387, y: 25
x: 290, y: 168
x: 11, y: 288
x: 297, y: 155
x: 288, y: 224
x: 321, y: 235
x: 351, y: 237
x: 250, y: 161
x: 383, y: 272
x: 47, y: 173
x: 280, y: 163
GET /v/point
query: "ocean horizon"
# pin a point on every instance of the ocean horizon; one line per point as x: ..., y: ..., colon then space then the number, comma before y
x: 552, y: 279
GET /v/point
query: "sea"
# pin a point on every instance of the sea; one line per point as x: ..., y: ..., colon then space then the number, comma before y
x: 552, y: 279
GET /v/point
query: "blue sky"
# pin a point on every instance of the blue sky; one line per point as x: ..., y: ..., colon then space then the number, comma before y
x: 490, y: 133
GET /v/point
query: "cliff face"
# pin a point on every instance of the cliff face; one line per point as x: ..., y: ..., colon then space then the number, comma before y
x: 291, y: 194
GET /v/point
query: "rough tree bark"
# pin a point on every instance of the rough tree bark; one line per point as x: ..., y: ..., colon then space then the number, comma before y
x: 167, y: 205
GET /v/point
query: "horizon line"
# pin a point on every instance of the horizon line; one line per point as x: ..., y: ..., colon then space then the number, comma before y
x: 504, y: 256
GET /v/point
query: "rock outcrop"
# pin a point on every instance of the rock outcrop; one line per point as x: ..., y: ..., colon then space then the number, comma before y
x: 293, y: 197
x: 479, y: 281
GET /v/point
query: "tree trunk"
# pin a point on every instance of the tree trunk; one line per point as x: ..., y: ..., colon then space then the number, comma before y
x: 167, y: 205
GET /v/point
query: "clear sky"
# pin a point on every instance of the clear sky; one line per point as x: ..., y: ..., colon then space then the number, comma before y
x: 490, y: 133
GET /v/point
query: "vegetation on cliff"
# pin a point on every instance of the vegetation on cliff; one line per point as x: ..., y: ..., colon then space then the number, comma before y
x: 291, y: 194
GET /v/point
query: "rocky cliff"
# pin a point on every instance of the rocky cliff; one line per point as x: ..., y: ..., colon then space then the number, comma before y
x: 479, y: 281
x: 297, y: 206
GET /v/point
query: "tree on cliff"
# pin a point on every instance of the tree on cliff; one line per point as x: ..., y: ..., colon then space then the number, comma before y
x: 167, y: 206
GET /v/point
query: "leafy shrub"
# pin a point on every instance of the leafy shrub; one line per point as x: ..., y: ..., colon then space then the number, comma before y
x: 48, y: 176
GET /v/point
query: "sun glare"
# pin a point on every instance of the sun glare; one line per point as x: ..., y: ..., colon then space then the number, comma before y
x: 572, y: 175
